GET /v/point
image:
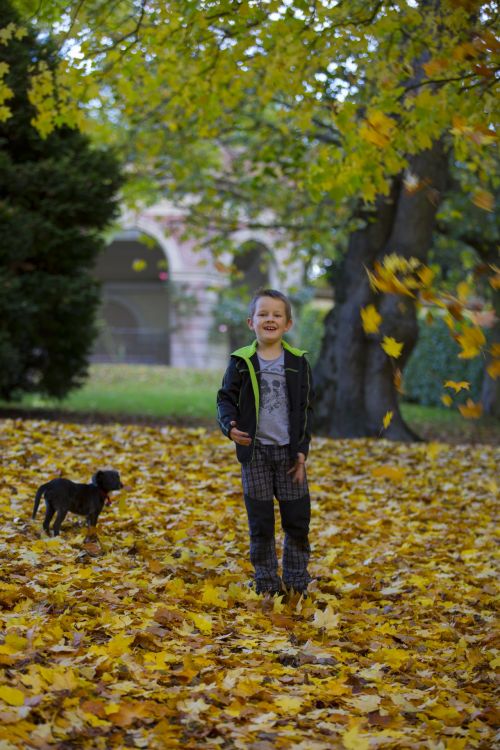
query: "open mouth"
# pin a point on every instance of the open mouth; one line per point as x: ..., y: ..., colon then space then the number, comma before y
x: 269, y: 328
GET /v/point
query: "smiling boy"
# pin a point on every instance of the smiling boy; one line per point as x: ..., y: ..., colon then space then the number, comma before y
x: 264, y: 406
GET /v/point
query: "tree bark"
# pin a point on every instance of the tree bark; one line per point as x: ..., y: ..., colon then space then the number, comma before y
x: 354, y: 376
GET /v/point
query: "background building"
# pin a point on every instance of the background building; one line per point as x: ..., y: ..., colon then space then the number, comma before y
x: 159, y: 293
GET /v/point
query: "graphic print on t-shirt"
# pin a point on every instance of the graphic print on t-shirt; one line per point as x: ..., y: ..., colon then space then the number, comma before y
x: 273, y: 414
x: 273, y: 393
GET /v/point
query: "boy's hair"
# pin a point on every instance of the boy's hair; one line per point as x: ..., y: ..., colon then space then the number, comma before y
x: 275, y: 295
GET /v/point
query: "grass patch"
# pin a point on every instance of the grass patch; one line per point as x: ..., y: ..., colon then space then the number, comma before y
x: 188, y: 396
x: 136, y: 390
x: 433, y: 423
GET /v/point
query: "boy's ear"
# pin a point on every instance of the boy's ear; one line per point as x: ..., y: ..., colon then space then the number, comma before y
x: 250, y: 324
x: 289, y: 325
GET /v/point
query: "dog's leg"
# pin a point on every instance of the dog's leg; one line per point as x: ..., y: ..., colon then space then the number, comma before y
x: 49, y: 512
x: 61, y: 515
x: 92, y: 519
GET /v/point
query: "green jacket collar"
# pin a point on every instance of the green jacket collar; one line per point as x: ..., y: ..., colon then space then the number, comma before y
x: 246, y: 352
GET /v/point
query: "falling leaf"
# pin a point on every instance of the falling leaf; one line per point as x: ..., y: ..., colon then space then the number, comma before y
x: 471, y: 341
x: 392, y: 347
x: 371, y: 319
x: 457, y: 386
x: 398, y: 380
x: 493, y: 369
x: 222, y: 267
x: 446, y: 399
x: 411, y: 182
x: 388, y: 419
x: 471, y: 410
x: 484, y: 199
x: 463, y: 291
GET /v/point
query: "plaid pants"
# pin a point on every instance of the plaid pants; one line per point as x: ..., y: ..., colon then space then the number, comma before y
x: 263, y: 479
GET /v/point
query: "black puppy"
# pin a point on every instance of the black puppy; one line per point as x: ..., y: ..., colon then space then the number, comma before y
x: 62, y: 495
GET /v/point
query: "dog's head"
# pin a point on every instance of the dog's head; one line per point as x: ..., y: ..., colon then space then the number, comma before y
x: 107, y: 480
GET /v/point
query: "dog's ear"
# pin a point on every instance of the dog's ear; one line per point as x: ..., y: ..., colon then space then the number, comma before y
x: 97, y: 478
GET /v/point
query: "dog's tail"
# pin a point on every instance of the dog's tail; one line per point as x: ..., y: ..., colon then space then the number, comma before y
x: 38, y: 495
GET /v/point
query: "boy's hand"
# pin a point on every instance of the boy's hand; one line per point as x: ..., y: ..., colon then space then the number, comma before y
x: 298, y: 470
x: 242, y: 438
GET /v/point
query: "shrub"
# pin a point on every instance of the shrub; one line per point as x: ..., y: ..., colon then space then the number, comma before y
x: 435, y: 360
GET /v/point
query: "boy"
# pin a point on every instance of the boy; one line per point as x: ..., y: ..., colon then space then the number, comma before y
x: 264, y: 406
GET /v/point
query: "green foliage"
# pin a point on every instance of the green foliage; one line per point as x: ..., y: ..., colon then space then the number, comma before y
x: 56, y: 195
x: 434, y: 361
x: 224, y: 111
x: 230, y: 319
x: 308, y: 331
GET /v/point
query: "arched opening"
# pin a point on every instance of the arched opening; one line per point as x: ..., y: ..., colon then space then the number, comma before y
x: 135, y: 311
x: 251, y: 264
x: 250, y: 272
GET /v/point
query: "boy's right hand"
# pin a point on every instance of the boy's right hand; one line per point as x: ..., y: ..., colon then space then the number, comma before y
x: 242, y: 438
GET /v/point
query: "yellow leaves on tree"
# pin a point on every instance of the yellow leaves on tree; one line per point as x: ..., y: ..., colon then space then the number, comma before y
x: 377, y: 129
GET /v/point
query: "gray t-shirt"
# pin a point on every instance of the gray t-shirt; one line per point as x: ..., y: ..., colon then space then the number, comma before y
x: 274, y: 427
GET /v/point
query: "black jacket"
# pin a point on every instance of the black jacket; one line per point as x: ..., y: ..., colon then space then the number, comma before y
x: 239, y: 398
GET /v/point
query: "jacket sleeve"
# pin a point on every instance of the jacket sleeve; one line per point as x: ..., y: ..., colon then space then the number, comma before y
x: 306, y: 408
x: 228, y: 398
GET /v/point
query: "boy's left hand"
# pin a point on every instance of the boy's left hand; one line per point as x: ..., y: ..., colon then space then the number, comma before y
x: 298, y: 470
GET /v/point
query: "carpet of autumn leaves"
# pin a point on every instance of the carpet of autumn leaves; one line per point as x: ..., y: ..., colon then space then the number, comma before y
x: 149, y: 636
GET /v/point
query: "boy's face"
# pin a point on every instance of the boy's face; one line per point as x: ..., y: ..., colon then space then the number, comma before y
x: 269, y: 321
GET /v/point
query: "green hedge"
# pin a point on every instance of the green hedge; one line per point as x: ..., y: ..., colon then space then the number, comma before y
x: 435, y: 360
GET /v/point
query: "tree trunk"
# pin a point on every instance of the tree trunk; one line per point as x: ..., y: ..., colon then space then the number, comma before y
x: 354, y: 376
x: 490, y: 392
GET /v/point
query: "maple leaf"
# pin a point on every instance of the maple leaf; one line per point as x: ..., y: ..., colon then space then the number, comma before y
x: 470, y: 410
x: 388, y: 419
x: 354, y: 740
x: 392, y: 347
x: 390, y: 472
x: 398, y: 381
x: 446, y: 399
x: 177, y: 664
x: 471, y: 340
x: 493, y: 369
x: 327, y: 619
x: 12, y: 696
x: 371, y: 319
x: 484, y: 199
x: 457, y: 386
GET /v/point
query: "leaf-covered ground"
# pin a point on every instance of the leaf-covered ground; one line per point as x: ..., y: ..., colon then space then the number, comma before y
x: 150, y: 637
